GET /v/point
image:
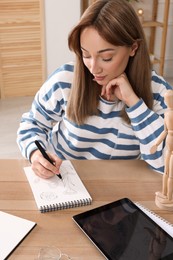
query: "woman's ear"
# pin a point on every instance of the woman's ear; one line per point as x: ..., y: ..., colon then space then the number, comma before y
x: 133, y: 49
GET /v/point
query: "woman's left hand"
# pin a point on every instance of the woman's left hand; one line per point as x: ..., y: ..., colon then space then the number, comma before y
x: 120, y: 88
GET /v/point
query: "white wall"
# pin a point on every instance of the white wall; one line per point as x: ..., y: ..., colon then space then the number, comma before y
x: 60, y: 17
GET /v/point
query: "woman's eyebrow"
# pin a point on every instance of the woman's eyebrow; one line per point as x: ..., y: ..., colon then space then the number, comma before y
x: 100, y: 51
x: 104, y: 50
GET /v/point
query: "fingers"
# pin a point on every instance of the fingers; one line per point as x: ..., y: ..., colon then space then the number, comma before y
x: 41, y: 171
x: 103, y: 92
x: 42, y: 167
x: 113, y: 89
x: 56, y: 160
x: 109, y: 91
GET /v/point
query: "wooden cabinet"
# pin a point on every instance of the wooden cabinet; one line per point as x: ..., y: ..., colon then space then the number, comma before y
x: 22, y: 58
x: 153, y: 25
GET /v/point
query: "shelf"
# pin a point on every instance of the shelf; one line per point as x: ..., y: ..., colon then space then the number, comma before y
x: 152, y: 24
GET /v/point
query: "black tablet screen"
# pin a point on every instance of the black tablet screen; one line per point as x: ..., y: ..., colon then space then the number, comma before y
x: 122, y: 231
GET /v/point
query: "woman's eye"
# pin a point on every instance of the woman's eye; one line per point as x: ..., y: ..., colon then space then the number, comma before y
x: 107, y: 59
x: 85, y: 57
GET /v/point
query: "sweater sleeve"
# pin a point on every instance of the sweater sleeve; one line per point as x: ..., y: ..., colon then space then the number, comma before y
x: 149, y: 124
x: 47, y: 110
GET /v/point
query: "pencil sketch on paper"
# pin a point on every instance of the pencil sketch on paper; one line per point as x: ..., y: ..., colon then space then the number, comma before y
x: 69, y: 185
x: 55, y: 193
x: 54, y: 187
x: 48, y: 196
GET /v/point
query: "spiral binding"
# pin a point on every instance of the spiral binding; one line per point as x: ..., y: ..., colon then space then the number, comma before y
x: 158, y: 219
x: 154, y: 214
x: 65, y: 205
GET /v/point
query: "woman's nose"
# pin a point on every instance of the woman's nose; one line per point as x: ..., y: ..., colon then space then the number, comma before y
x: 95, y: 68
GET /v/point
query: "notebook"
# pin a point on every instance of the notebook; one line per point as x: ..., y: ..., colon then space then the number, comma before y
x: 13, y: 230
x: 168, y: 227
x: 124, y: 230
x: 54, y: 193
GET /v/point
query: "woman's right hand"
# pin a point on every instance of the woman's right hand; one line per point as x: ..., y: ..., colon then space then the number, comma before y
x: 42, y: 167
x: 120, y: 88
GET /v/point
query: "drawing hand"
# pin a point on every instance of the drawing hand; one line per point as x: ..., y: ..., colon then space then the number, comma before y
x: 42, y: 167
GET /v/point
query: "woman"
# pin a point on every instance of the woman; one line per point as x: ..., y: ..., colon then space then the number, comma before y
x: 108, y: 104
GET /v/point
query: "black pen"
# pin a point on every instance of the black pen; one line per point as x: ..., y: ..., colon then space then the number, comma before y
x: 45, y: 155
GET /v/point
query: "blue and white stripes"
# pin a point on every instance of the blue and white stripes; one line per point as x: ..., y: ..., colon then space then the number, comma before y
x: 105, y: 136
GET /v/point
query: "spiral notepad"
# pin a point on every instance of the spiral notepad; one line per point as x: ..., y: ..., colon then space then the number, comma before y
x: 56, y: 194
x: 164, y: 224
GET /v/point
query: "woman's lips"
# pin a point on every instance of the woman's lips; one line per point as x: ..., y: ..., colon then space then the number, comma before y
x: 99, y: 78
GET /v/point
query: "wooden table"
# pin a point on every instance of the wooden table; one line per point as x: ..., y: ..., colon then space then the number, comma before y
x: 106, y: 181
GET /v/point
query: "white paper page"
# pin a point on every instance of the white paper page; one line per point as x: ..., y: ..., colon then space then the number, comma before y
x: 56, y: 191
x: 12, y: 230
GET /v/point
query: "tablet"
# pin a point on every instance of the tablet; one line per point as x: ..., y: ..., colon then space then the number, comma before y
x: 122, y: 231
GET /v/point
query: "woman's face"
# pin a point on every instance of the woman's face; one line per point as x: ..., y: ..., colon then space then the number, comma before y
x: 104, y: 60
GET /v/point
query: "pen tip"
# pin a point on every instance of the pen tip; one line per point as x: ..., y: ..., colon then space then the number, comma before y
x: 59, y: 175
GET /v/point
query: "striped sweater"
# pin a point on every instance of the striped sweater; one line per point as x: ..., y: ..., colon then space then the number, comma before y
x: 103, y: 136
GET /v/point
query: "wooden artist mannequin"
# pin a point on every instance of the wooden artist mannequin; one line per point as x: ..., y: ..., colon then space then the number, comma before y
x: 164, y: 199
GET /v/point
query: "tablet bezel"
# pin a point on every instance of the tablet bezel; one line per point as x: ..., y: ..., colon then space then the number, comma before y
x: 92, y: 212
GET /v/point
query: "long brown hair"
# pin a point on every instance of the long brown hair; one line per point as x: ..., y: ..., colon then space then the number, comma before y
x: 118, y: 24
